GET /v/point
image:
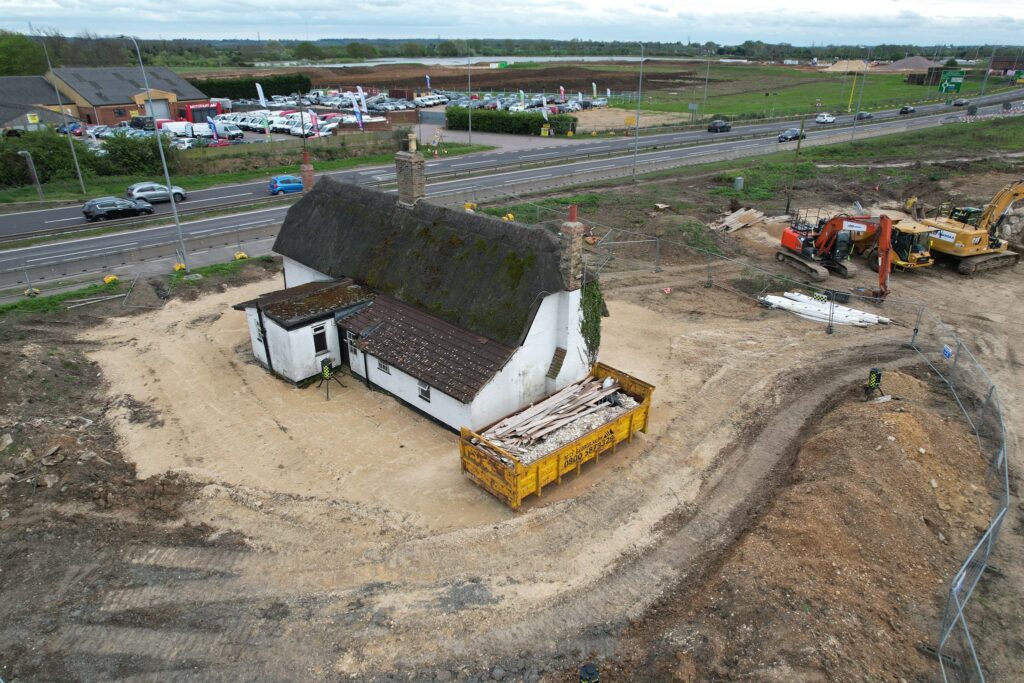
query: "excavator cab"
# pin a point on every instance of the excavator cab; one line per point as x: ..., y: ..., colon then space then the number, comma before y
x: 911, y: 246
x: 966, y: 214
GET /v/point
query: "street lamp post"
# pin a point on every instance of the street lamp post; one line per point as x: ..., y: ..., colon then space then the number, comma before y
x: 163, y: 159
x: 469, y: 104
x: 860, y: 97
x: 32, y: 170
x: 639, y: 95
x: 707, y: 75
x: 64, y: 120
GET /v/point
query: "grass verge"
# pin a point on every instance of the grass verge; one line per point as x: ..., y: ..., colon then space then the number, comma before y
x: 69, y: 190
x: 54, y: 302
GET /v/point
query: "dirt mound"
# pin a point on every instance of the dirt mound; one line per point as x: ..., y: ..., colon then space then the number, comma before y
x: 843, y: 576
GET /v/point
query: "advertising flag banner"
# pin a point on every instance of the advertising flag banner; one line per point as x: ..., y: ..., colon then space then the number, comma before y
x: 213, y: 128
x: 428, y: 81
x: 594, y: 86
x: 362, y: 97
x: 561, y: 93
x: 259, y: 93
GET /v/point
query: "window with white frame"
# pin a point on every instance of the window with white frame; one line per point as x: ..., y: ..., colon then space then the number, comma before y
x: 320, y: 339
x: 424, y: 391
x: 383, y: 367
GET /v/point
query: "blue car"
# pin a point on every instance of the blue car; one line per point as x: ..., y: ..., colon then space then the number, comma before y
x: 285, y: 183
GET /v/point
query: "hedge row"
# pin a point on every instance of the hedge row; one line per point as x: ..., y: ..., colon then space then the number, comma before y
x: 504, y: 121
x: 245, y: 88
x: 53, y: 161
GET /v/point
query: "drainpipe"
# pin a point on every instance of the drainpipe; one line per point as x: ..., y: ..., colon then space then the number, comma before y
x: 263, y: 333
x: 366, y: 370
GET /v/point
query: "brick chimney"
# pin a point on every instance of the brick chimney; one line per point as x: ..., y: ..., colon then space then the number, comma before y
x: 409, y: 169
x: 572, y: 251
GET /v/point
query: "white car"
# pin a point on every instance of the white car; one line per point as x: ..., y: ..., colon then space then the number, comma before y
x: 825, y: 118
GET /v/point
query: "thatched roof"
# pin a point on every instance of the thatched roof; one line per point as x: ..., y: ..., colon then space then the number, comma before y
x: 475, y: 271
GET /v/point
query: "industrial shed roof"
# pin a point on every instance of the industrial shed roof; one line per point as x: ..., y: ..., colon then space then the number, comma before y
x: 118, y: 85
x: 447, y: 357
x: 27, y: 90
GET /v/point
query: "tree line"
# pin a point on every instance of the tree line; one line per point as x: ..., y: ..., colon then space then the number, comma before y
x: 22, y: 55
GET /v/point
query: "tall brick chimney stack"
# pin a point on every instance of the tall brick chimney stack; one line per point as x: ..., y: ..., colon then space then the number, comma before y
x: 572, y: 251
x: 411, y: 174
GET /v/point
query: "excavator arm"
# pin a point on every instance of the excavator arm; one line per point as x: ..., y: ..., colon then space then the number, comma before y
x: 884, y: 256
x: 1001, y: 203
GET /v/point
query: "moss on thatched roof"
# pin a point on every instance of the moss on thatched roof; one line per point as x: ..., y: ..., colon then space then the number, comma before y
x: 475, y: 271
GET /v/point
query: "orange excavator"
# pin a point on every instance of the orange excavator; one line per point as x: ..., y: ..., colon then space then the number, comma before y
x: 815, y: 248
x: 818, y: 248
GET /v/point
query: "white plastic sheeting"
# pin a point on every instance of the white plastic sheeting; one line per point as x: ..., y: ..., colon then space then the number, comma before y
x: 811, y: 308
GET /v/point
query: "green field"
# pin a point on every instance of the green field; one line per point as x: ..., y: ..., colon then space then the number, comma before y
x: 755, y: 91
x: 69, y: 190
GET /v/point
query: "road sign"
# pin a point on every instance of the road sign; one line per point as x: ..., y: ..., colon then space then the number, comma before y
x: 630, y: 121
x: 947, y: 352
x: 693, y: 106
x: 33, y: 118
x: 1018, y: 76
x: 951, y: 81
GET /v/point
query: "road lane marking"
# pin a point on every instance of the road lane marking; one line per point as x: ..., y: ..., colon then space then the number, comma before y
x: 211, y: 199
x: 120, y: 247
x: 62, y: 220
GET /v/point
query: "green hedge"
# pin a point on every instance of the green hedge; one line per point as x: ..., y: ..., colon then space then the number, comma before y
x: 504, y: 121
x: 124, y: 155
x: 245, y: 88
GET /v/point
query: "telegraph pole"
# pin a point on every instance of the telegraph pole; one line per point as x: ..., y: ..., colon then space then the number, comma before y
x: 469, y: 104
x: 860, y: 97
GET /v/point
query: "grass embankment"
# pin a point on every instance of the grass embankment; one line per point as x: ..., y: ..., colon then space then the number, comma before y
x: 69, y: 190
x: 55, y: 302
x: 701, y: 192
x: 753, y: 91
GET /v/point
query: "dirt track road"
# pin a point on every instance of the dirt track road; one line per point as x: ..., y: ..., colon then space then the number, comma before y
x: 384, y: 574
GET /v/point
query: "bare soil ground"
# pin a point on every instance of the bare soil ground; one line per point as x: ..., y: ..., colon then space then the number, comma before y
x: 237, y: 527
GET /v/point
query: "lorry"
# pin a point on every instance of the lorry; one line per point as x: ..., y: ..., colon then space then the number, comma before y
x: 490, y: 461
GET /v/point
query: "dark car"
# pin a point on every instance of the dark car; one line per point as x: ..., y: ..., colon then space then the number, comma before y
x: 864, y: 115
x: 791, y: 134
x: 719, y: 126
x: 961, y: 103
x: 907, y: 109
x: 107, y: 208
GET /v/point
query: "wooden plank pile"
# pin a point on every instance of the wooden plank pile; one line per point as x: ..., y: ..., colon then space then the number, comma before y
x: 737, y: 219
x: 522, y: 430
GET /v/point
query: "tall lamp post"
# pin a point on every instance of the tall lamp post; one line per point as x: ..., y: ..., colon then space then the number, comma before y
x: 64, y: 120
x: 32, y: 169
x: 469, y: 104
x: 860, y: 97
x: 163, y: 159
x: 639, y: 95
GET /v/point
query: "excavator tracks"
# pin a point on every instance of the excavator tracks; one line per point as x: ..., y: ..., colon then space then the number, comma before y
x: 816, y: 272
x: 979, y: 264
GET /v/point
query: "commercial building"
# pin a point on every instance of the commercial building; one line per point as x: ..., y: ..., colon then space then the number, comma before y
x: 109, y: 95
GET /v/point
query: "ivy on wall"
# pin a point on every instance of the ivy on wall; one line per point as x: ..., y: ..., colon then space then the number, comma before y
x: 592, y: 305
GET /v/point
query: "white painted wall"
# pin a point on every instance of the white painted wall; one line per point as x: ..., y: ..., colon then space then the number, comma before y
x: 258, y: 350
x: 292, y: 350
x: 296, y: 274
x: 523, y: 379
x: 441, y: 406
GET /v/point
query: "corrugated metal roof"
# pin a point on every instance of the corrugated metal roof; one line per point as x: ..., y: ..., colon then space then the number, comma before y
x: 451, y: 359
x: 118, y: 85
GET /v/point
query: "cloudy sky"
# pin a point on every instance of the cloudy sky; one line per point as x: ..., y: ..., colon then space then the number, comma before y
x: 801, y: 22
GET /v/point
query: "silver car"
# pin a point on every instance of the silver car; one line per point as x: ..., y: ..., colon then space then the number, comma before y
x: 155, y: 192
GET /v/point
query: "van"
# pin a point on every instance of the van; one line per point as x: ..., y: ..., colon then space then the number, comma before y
x: 224, y: 130
x: 179, y: 129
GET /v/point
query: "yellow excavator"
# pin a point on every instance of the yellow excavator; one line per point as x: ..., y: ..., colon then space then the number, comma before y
x: 971, y: 236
